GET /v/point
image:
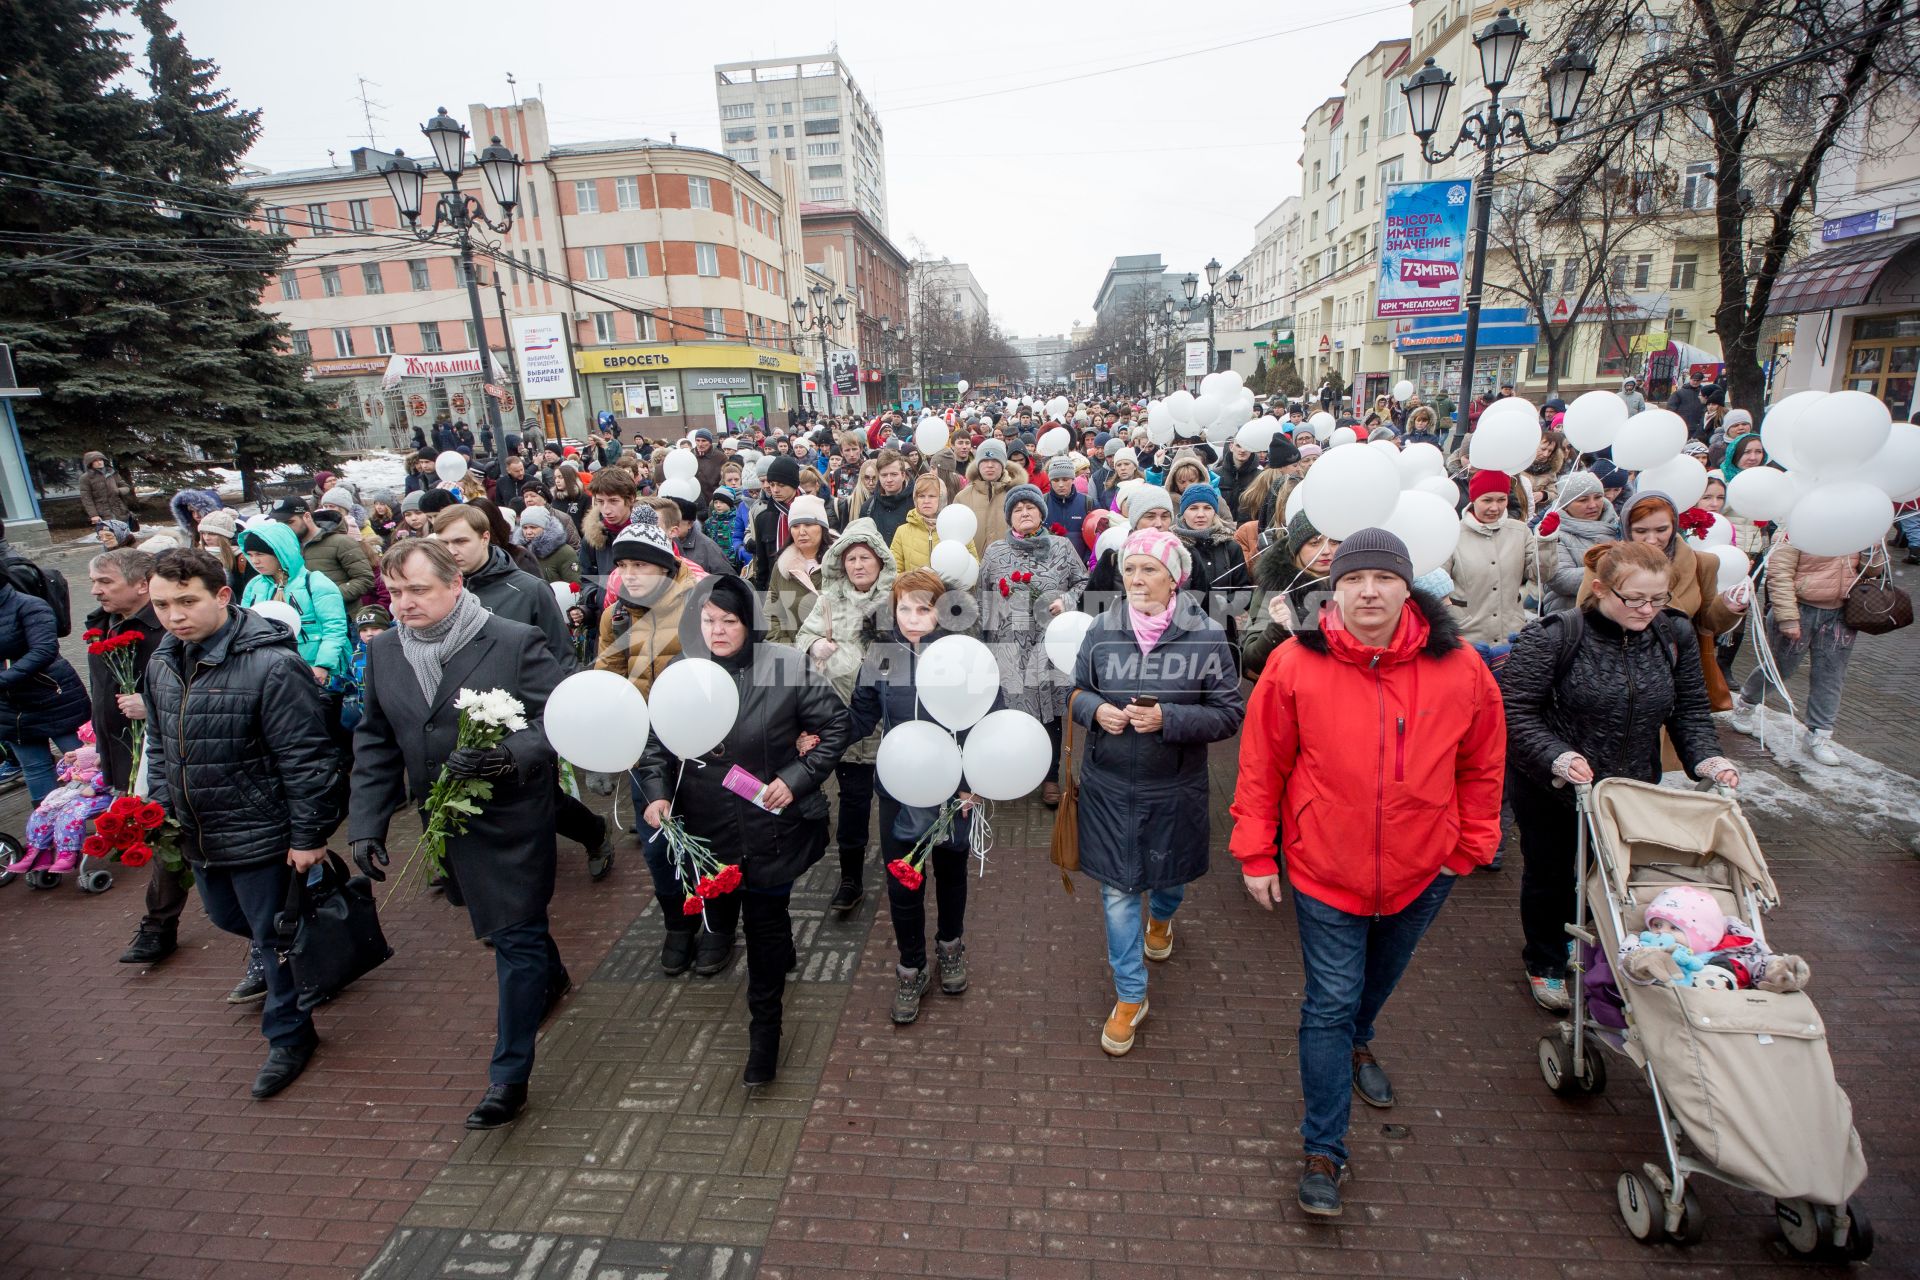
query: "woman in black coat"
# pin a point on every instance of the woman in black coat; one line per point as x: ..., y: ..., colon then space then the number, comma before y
x: 1587, y: 694
x: 42, y: 701
x: 1155, y: 684
x: 781, y: 699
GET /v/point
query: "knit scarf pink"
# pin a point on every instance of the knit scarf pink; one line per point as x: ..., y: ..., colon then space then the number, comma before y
x: 1149, y: 627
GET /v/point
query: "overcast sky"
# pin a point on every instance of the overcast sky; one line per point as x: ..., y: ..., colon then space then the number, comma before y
x: 1007, y: 146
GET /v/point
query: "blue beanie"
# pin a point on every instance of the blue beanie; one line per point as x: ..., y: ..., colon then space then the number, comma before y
x: 1194, y: 493
x: 1104, y: 439
x: 1024, y: 493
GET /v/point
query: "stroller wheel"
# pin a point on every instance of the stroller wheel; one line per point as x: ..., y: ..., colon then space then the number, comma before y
x: 1596, y: 1079
x: 42, y: 880
x: 96, y: 881
x: 1640, y: 1208
x: 1805, y: 1226
x: 11, y: 851
x: 1556, y: 1065
x: 1693, y: 1220
x: 1859, y: 1245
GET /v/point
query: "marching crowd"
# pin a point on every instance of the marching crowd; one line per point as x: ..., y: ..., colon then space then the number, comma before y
x: 296, y: 673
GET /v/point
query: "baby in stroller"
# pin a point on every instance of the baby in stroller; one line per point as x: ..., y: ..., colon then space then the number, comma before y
x: 58, y: 826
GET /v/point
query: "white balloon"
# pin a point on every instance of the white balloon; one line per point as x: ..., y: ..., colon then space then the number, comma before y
x: 1007, y: 755
x: 1055, y: 440
x: 1761, y: 494
x: 962, y: 385
x: 1214, y: 384
x: 282, y: 612
x: 1188, y: 429
x: 1683, y: 479
x: 1296, y: 501
x: 1506, y: 443
x: 1648, y: 439
x: 1179, y: 404
x: 451, y: 467
x: 1157, y: 412
x: 1511, y: 407
x: 1231, y: 379
x: 1223, y: 429
x: 680, y: 462
x: 1718, y: 534
x: 1257, y: 436
x: 1594, y: 420
x: 1207, y: 408
x: 1403, y: 391
x: 1428, y: 525
x: 566, y: 593
x: 955, y: 564
x: 956, y: 523
x: 1349, y: 490
x: 1418, y: 461
x: 1782, y: 421
x: 1841, y: 431
x: 1340, y: 436
x: 1839, y: 519
x: 694, y: 704
x: 1895, y: 470
x: 957, y: 680
x: 1064, y: 633
x: 930, y: 436
x: 1387, y: 447
x: 918, y: 764
x: 1322, y: 425
x: 1112, y: 538
x: 1733, y: 566
x: 1162, y: 432
x: 1442, y: 488
x: 1057, y: 407
x: 686, y: 487
x: 597, y: 720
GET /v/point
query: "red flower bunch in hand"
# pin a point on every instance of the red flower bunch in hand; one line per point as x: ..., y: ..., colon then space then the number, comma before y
x: 693, y: 906
x: 135, y: 832
x: 1023, y: 577
x: 906, y: 873
x: 1057, y: 529
x: 136, y: 855
x: 1006, y: 589
x: 99, y: 643
x: 720, y: 883
x: 152, y: 815
x: 1694, y: 522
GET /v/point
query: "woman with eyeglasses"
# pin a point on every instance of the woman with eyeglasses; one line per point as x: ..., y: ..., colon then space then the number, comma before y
x: 1588, y: 692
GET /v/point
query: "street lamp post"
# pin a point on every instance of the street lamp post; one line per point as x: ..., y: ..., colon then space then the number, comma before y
x: 823, y: 318
x: 1488, y: 128
x: 460, y: 212
x: 1191, y: 283
x: 890, y: 333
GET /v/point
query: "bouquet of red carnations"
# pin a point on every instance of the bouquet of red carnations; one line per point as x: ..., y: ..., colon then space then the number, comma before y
x: 911, y: 870
x: 133, y: 832
x: 697, y: 866
x: 123, y: 660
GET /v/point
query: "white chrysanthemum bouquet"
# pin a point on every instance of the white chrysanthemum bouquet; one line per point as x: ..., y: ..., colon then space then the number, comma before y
x: 486, y: 718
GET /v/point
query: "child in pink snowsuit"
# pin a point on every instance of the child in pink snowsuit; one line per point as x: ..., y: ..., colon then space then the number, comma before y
x: 59, y: 822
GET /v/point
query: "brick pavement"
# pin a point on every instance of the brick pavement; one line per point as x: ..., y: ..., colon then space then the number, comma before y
x: 993, y: 1138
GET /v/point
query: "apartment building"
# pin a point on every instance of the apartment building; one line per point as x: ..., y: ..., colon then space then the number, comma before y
x: 810, y: 113
x: 670, y: 266
x: 948, y: 287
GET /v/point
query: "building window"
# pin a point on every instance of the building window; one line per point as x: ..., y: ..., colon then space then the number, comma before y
x: 773, y: 131
x: 317, y: 220
x: 636, y: 261
x: 1643, y: 271
x: 1546, y: 277
x: 1392, y: 117
x: 626, y: 192
x: 828, y: 103
x: 330, y: 282
x: 473, y: 337
x: 417, y: 274
x: 370, y: 279
x: 302, y: 344
x: 786, y: 108
x: 289, y: 285
x: 829, y: 193
x: 1366, y: 126
x: 596, y: 259
x: 530, y: 197
x: 706, y: 260
x: 357, y: 216
x: 747, y: 134
x: 430, y: 337
x: 343, y: 342
x: 789, y: 153
x: 603, y: 327
x: 586, y: 196
x: 643, y: 326
x: 700, y: 193
x: 1316, y: 175
x: 1686, y: 267
x: 786, y: 130
x: 276, y: 220
x: 526, y: 264
x: 740, y: 205
x: 1699, y: 186
x: 823, y: 148
x: 543, y: 260
x: 383, y: 340
x: 744, y: 155
x: 1359, y: 193
x: 715, y: 320
x: 737, y: 111
x: 824, y: 171
x: 815, y: 127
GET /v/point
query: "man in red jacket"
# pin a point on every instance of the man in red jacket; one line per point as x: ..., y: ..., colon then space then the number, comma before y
x: 1385, y: 739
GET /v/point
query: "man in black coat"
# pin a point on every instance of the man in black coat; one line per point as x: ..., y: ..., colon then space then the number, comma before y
x: 502, y: 867
x: 1690, y: 402
x: 240, y: 757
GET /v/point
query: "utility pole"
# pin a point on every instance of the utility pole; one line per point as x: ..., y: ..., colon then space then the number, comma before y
x: 506, y: 334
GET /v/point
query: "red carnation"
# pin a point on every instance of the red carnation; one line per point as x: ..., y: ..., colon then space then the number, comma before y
x: 136, y: 855
x: 152, y: 814
x: 728, y: 878
x: 1695, y: 521
x: 692, y: 906
x: 1005, y: 590
x: 94, y: 846
x: 1057, y: 529
x: 905, y: 874
x: 92, y: 633
x: 1550, y: 525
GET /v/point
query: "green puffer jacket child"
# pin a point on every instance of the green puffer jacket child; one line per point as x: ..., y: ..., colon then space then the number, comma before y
x: 323, y: 639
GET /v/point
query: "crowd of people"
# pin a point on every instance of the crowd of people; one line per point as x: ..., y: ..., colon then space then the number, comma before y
x: 298, y: 670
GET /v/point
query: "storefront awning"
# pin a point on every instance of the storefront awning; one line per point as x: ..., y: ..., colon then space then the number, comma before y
x: 1841, y: 277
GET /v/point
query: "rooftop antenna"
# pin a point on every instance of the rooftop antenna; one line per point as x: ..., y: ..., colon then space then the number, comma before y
x: 366, y: 108
x: 514, y: 89
x: 674, y: 138
x: 330, y: 160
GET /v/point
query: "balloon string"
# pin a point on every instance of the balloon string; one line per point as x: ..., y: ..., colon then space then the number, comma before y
x: 982, y: 833
x: 1769, y: 667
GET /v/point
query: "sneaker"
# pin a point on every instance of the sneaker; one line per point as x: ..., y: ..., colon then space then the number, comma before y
x: 600, y: 854
x: 846, y: 897
x: 1116, y: 1037
x: 953, y: 966
x: 9, y: 773
x: 1159, y: 939
x: 150, y: 946
x: 1550, y: 993
x: 1742, y: 718
x: 1320, y: 1179
x: 906, y: 995
x: 1369, y: 1081
x: 1820, y: 747
x: 251, y: 987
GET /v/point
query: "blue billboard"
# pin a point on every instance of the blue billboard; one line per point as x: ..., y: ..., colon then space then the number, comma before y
x: 1423, y: 248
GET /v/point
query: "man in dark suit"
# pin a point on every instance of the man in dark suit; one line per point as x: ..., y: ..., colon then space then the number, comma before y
x: 502, y: 867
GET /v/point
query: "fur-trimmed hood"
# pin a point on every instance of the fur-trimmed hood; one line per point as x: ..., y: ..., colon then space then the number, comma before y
x: 193, y: 502
x: 1443, y: 633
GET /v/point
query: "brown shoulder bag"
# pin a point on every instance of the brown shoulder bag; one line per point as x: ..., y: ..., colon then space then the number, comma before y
x: 1066, y: 818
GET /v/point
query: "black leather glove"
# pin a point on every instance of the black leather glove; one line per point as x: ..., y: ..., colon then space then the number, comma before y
x: 480, y: 762
x: 367, y: 853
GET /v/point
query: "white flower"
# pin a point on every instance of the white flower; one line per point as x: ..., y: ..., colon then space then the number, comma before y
x: 495, y: 707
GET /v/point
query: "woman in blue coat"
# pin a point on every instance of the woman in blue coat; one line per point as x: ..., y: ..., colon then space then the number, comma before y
x: 41, y: 699
x: 1154, y: 685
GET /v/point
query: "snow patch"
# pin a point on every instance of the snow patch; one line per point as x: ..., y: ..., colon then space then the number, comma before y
x: 1859, y: 792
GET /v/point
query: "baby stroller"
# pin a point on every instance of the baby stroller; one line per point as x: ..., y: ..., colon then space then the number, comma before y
x: 90, y: 874
x: 1743, y: 1076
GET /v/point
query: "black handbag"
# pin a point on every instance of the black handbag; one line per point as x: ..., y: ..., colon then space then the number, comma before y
x: 1875, y: 606
x: 329, y: 932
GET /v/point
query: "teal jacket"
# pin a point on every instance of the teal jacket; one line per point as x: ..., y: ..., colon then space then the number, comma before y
x: 323, y: 640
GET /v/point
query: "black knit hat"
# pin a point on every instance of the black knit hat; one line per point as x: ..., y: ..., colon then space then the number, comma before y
x: 1371, y: 549
x: 783, y: 470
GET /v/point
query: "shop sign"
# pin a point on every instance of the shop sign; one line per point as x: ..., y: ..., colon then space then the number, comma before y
x: 670, y: 356
x: 1326, y: 345
x: 1633, y: 306
x: 439, y: 365
x: 1856, y: 224
x: 346, y: 367
x: 718, y: 381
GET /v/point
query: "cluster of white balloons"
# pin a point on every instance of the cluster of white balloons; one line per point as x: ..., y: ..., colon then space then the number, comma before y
x: 953, y: 557
x: 1225, y: 405
x: 1007, y: 753
x: 1404, y: 491
x: 599, y: 721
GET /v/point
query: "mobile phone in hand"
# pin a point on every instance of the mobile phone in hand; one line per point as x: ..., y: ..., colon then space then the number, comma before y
x: 1146, y: 700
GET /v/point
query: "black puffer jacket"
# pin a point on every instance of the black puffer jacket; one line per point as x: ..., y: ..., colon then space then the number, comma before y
x: 241, y: 757
x: 781, y: 697
x: 1274, y: 572
x: 518, y: 596
x: 40, y: 692
x: 1620, y: 689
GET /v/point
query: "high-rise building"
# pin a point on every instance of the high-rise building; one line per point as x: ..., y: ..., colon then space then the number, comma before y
x: 810, y: 113
x: 947, y: 287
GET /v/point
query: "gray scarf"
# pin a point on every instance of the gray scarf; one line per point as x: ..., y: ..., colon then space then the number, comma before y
x: 428, y: 648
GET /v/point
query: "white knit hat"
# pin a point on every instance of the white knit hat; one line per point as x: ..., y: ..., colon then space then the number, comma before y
x: 807, y: 509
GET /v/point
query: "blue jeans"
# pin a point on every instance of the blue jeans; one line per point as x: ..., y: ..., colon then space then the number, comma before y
x: 1127, y: 935
x: 1829, y: 641
x: 244, y: 901
x: 36, y: 761
x: 1352, y: 965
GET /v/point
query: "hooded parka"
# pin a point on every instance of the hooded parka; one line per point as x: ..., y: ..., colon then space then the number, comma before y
x: 323, y: 641
x: 849, y: 619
